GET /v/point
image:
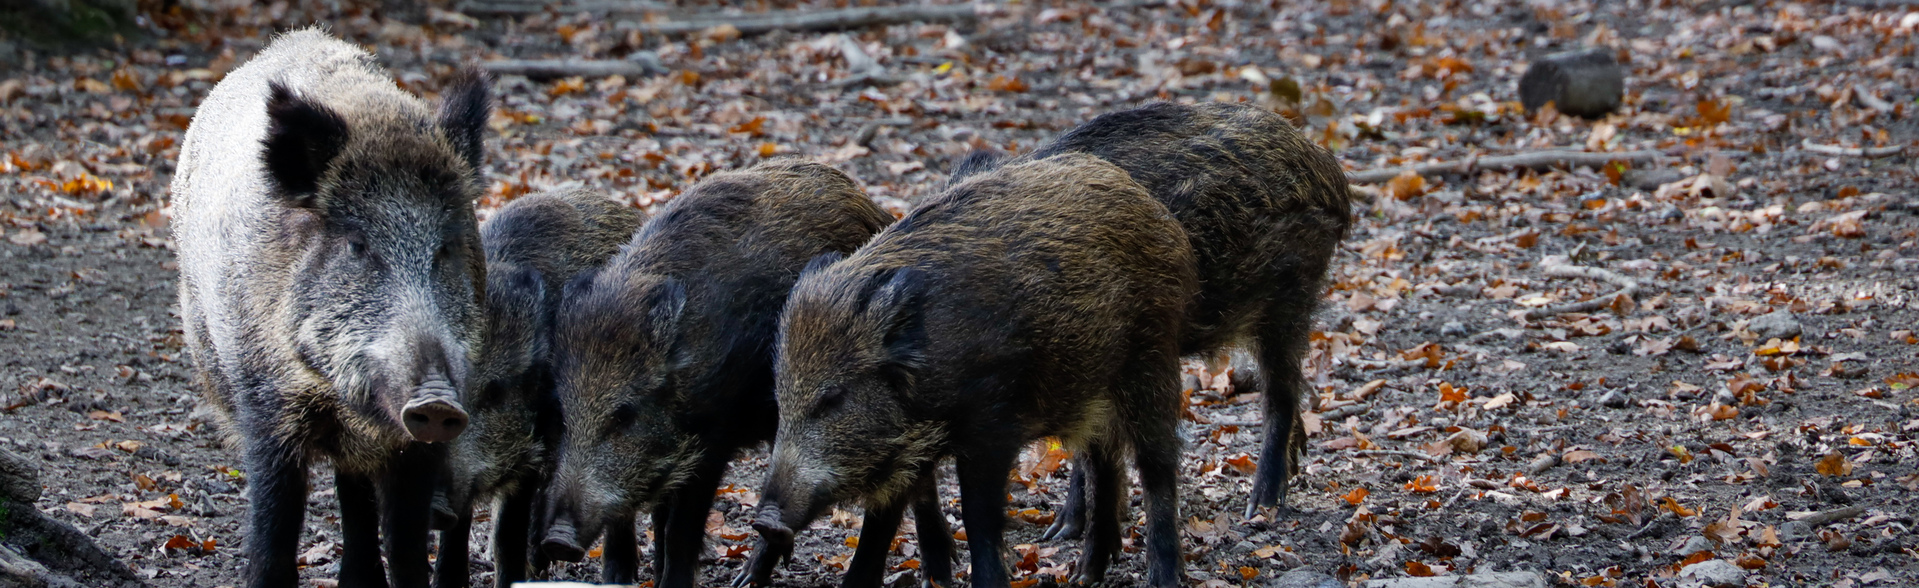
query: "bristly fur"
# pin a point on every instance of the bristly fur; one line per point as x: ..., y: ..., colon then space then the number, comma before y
x: 1040, y: 298
x: 1264, y: 209
x: 330, y: 273
x: 664, y: 356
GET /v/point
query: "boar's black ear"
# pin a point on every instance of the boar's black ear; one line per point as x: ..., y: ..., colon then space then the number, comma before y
x: 303, y: 136
x: 464, y: 109
x: 980, y: 160
x: 664, y: 305
x: 821, y: 261
x: 895, y: 305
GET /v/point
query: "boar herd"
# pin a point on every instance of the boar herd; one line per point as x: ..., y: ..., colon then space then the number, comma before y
x: 575, y: 364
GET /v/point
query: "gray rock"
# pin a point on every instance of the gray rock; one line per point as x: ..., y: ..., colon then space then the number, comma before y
x: 1696, y: 544
x: 1306, y: 579
x: 1779, y: 324
x: 650, y: 61
x: 1718, y: 573
x: 1613, y: 399
x: 1453, y: 329
x: 1650, y: 179
x: 1491, y: 580
x: 1582, y: 83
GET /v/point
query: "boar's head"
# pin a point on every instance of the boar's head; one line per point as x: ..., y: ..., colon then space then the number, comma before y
x: 617, y: 358
x: 850, y: 354
x: 512, y: 391
x: 380, y: 229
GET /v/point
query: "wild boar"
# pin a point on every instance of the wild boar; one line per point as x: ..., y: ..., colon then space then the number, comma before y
x: 331, y: 282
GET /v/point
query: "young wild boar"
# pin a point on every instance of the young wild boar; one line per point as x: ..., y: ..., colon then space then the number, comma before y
x: 1264, y: 209
x: 330, y: 283
x: 533, y: 245
x: 1043, y: 298
x: 664, y: 357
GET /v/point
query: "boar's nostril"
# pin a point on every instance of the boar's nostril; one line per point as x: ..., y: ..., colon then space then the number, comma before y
x: 561, y: 544
x: 434, y: 421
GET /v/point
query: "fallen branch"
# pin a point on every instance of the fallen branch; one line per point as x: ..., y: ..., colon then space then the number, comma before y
x: 1805, y: 527
x: 823, y: 20
x: 1627, y: 288
x: 1837, y: 151
x: 1542, y: 159
x: 1394, y: 453
x: 566, y: 68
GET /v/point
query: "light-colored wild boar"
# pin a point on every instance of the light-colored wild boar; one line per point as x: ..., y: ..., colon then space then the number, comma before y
x: 330, y: 285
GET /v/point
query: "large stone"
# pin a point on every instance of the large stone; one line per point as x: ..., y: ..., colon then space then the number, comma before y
x: 1581, y: 83
x: 1488, y: 580
x: 1779, y: 324
x: 1717, y: 573
x: 1306, y: 579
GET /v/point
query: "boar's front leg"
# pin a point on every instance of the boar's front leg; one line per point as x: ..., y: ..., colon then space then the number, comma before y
x: 881, y: 524
x: 621, y: 561
x: 277, y: 492
x: 686, y: 526
x: 407, y: 493
x: 359, y: 530
x: 456, y: 524
x: 982, y: 482
x: 512, y: 523
x: 936, y: 541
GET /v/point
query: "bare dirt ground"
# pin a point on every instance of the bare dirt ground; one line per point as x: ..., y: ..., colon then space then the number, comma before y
x: 1452, y: 433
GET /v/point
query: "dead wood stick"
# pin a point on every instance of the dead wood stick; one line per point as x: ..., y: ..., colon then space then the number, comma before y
x: 566, y: 68
x: 1627, y: 287
x: 822, y: 20
x: 1838, y: 151
x: 1828, y: 517
x: 1394, y: 453
x: 1535, y: 160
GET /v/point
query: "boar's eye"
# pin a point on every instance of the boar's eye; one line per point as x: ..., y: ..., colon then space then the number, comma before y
x: 623, y: 416
x: 356, y: 244
x: 831, y: 397
x: 445, y: 253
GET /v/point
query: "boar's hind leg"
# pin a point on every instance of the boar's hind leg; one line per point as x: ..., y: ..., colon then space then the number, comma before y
x: 686, y: 527
x: 936, y: 541
x: 1106, y: 484
x: 512, y: 521
x: 359, y: 530
x: 455, y: 524
x: 277, y: 490
x: 622, y: 550
x: 1070, y: 520
x: 877, y: 529
x: 1283, y: 342
x: 407, y: 498
x: 982, y: 482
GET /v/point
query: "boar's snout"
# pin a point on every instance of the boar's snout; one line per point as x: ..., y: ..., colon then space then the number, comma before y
x: 434, y: 414
x: 562, y: 539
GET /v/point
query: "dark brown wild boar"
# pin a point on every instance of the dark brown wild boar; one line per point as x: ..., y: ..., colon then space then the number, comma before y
x: 1041, y: 298
x: 1265, y: 209
x: 533, y: 245
x: 664, y: 357
x: 330, y: 289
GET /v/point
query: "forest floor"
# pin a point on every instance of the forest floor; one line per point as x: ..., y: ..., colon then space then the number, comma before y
x: 1763, y: 370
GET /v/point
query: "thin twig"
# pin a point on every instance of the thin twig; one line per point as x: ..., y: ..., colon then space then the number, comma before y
x: 1838, y: 151
x: 1537, y: 160
x: 801, y: 20
x: 1627, y: 288
x: 1394, y: 453
x: 564, y: 68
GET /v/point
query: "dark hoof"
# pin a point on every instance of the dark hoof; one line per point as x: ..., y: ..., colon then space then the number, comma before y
x: 1063, y: 529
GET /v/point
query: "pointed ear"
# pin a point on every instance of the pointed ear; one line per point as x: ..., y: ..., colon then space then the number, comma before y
x: 821, y: 261
x: 895, y: 307
x: 303, y: 137
x: 464, y: 109
x: 664, y: 305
